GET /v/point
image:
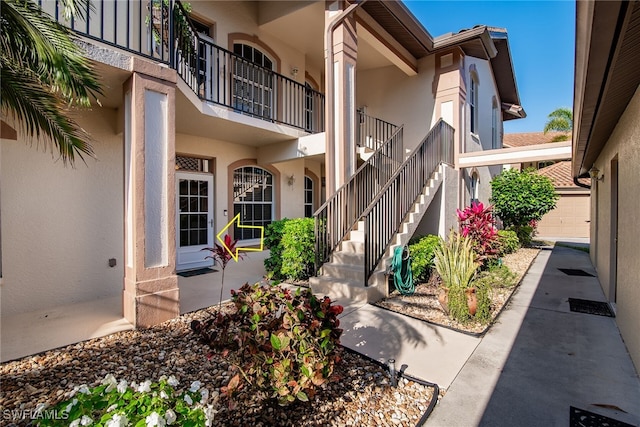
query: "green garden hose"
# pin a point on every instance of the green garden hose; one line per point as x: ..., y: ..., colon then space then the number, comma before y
x: 401, y: 269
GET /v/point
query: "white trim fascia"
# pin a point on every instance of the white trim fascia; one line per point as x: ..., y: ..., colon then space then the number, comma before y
x: 531, y: 153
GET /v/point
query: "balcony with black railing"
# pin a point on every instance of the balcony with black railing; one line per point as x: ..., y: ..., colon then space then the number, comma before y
x: 160, y: 30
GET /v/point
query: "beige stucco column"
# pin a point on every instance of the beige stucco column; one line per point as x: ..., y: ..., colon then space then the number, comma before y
x: 341, y: 135
x: 151, y: 291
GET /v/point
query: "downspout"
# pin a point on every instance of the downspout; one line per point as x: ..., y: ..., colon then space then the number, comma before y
x: 578, y: 183
x: 330, y: 125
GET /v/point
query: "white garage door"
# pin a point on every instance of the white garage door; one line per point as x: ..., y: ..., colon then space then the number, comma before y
x: 570, y: 218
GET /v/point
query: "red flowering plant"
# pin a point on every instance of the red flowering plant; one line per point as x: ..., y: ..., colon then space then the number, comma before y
x: 477, y: 223
x: 283, y: 342
x: 221, y: 255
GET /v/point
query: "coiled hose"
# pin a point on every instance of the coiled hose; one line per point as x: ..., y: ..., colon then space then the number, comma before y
x: 401, y: 269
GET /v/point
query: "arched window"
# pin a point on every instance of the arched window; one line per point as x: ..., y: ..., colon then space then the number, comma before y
x: 253, y: 82
x: 473, y: 190
x: 309, y: 196
x: 473, y: 101
x: 253, y: 199
x: 495, y: 132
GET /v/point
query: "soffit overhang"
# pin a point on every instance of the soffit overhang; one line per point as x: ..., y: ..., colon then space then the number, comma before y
x: 607, y: 61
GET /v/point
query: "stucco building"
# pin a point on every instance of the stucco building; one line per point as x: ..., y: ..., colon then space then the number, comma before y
x: 262, y: 109
x: 606, y: 148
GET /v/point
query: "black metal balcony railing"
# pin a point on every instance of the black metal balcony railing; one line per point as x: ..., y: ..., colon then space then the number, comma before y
x: 340, y: 213
x: 385, y: 215
x: 372, y: 132
x: 161, y: 30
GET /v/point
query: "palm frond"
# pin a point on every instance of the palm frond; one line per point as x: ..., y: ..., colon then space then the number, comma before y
x: 560, y: 119
x: 32, y: 39
x: 41, y: 113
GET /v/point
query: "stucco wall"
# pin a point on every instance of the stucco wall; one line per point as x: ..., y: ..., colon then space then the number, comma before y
x: 623, y: 145
x: 391, y: 95
x: 61, y: 225
x: 482, y: 138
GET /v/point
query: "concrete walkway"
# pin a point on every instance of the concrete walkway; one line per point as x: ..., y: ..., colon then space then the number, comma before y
x: 534, y: 363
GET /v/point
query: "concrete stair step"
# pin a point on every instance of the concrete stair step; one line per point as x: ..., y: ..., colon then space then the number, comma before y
x: 344, y: 271
x: 345, y: 290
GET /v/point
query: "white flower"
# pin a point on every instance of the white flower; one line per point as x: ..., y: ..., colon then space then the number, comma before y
x: 118, y: 420
x: 85, y: 421
x: 84, y: 389
x: 172, y: 381
x: 145, y: 386
x: 170, y: 416
x: 74, y: 423
x: 188, y: 399
x: 112, y: 407
x: 122, y: 386
x: 163, y: 377
x: 155, y: 420
x: 71, y: 405
x: 163, y: 394
x: 111, y: 382
x: 210, y: 413
x: 204, y: 395
x: 195, y: 386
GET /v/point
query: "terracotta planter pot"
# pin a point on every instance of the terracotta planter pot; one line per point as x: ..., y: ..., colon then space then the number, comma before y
x: 472, y: 300
x: 443, y: 299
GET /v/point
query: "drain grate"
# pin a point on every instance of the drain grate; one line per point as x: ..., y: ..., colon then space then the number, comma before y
x: 582, y: 418
x: 590, y: 307
x: 575, y: 272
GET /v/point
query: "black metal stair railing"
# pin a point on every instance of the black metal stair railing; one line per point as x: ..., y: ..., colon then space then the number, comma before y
x: 372, y: 132
x: 386, y: 213
x: 340, y: 213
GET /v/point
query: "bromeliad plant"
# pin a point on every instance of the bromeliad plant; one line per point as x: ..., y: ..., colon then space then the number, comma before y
x: 221, y: 256
x: 117, y: 403
x: 477, y: 223
x: 284, y: 343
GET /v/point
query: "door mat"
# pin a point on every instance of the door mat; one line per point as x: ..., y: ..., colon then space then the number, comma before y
x: 197, y: 272
x: 582, y: 418
x: 590, y: 307
x: 575, y: 272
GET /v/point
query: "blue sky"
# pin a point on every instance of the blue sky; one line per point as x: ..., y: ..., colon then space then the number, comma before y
x: 541, y: 38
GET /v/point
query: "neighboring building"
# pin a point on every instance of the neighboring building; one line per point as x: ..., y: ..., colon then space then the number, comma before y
x: 606, y: 147
x: 227, y: 115
x: 527, y: 139
x: 571, y: 216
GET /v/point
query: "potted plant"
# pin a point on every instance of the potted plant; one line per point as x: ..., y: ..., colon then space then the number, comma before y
x: 455, y: 262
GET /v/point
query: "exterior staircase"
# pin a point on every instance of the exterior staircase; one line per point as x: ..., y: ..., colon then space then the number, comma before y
x: 354, y: 242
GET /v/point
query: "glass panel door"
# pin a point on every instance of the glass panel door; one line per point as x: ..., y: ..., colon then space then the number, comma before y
x: 194, y: 219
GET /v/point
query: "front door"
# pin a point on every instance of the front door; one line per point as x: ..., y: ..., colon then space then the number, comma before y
x: 194, y: 219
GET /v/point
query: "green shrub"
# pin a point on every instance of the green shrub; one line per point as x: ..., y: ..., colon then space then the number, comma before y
x: 298, y: 253
x: 272, y: 241
x: 521, y: 197
x: 285, y: 343
x: 483, y: 294
x: 524, y: 233
x: 421, y: 251
x: 456, y: 265
x: 508, y: 241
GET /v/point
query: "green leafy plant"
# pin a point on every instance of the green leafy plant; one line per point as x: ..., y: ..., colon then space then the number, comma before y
x: 273, y: 241
x: 508, y: 242
x: 117, y: 403
x: 455, y: 262
x: 298, y: 255
x: 422, y: 254
x: 221, y: 255
x: 499, y: 276
x: 521, y: 197
x: 284, y: 343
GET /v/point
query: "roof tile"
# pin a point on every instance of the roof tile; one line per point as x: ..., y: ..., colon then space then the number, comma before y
x: 560, y: 174
x: 530, y: 138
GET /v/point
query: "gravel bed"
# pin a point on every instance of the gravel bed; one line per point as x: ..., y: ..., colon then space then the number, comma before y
x: 358, y: 395
x: 424, y: 305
